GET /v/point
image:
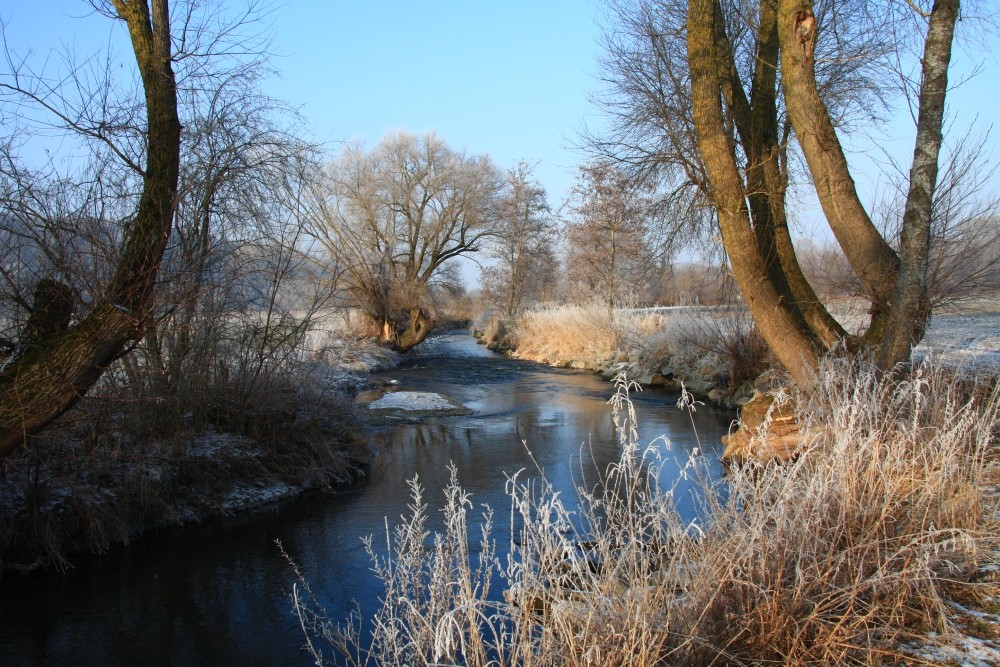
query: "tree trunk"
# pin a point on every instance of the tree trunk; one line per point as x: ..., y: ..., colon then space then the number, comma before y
x: 874, y: 261
x: 910, y: 310
x: 51, y: 313
x: 44, y: 379
x: 756, y: 122
x: 417, y: 329
x: 767, y: 180
x: 779, y: 322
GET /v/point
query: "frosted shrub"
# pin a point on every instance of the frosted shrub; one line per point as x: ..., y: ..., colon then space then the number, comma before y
x: 723, y: 338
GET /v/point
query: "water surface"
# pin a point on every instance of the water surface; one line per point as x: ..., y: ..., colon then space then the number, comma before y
x: 218, y: 593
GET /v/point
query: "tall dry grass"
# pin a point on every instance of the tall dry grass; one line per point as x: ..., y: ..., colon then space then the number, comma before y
x: 838, y: 557
x: 587, y: 336
x: 852, y: 548
x: 566, y: 335
x: 720, y: 344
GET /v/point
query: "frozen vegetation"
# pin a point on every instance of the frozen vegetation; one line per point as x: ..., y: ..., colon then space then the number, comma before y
x: 875, y: 545
x: 125, y: 465
x: 715, y: 352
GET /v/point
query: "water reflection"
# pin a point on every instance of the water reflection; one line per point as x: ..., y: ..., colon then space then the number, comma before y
x: 218, y: 593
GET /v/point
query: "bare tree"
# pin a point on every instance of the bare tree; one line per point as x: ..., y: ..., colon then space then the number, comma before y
x: 391, y: 219
x: 698, y: 283
x: 92, y: 238
x: 49, y: 372
x: 708, y: 95
x: 827, y: 269
x: 964, y: 238
x: 964, y: 241
x: 900, y: 316
x: 611, y: 250
x: 242, y: 177
x: 523, y: 247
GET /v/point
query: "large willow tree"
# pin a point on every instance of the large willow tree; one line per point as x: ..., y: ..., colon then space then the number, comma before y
x: 710, y: 95
x: 393, y: 218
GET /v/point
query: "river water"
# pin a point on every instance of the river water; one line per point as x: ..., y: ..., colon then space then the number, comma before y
x: 218, y: 593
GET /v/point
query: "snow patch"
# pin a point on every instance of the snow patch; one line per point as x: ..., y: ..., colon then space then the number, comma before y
x: 960, y: 649
x: 413, y: 400
x: 244, y: 496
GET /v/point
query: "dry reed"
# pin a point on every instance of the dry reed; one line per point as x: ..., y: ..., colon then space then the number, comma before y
x: 587, y: 336
x: 842, y: 556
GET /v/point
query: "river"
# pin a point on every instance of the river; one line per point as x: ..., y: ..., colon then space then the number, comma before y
x: 218, y: 593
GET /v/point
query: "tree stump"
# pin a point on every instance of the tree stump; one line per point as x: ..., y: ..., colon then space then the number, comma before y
x: 767, y: 431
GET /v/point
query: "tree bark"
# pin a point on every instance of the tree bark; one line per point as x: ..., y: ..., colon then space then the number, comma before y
x: 417, y: 329
x: 767, y: 179
x: 779, y: 323
x: 756, y: 123
x: 44, y: 379
x: 910, y: 309
x: 874, y: 261
x: 51, y: 313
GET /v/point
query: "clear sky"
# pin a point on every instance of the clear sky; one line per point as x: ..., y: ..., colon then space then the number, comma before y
x: 505, y: 77
x: 509, y: 78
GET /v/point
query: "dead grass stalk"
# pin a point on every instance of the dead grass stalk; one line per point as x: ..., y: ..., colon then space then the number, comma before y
x: 838, y: 557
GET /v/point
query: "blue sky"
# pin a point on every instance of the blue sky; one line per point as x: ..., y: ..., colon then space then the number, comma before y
x: 509, y: 78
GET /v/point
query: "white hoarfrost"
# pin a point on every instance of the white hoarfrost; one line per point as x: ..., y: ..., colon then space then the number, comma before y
x: 414, y: 401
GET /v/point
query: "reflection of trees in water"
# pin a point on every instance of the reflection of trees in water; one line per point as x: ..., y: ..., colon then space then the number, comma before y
x: 561, y: 425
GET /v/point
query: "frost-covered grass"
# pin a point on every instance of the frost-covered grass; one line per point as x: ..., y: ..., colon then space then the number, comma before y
x: 965, y: 336
x: 566, y: 335
x: 720, y: 343
x: 586, y: 336
x: 125, y: 460
x: 847, y: 555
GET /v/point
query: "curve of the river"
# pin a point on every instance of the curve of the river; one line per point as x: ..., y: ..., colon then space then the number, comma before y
x: 218, y: 593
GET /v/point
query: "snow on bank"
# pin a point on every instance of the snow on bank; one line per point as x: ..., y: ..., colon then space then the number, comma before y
x: 351, y: 360
x: 959, y: 649
x: 966, y: 338
x: 970, y: 341
x: 413, y: 401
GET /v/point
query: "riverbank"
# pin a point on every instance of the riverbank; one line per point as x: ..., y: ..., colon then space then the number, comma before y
x: 702, y: 352
x: 874, y: 546
x: 715, y: 352
x: 108, y: 471
x: 218, y: 592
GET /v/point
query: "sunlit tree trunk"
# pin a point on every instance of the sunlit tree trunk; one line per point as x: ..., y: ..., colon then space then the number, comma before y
x: 737, y: 154
x: 910, y: 308
x: 47, y: 376
x: 871, y: 257
x: 779, y: 321
x: 767, y: 176
x: 751, y: 212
